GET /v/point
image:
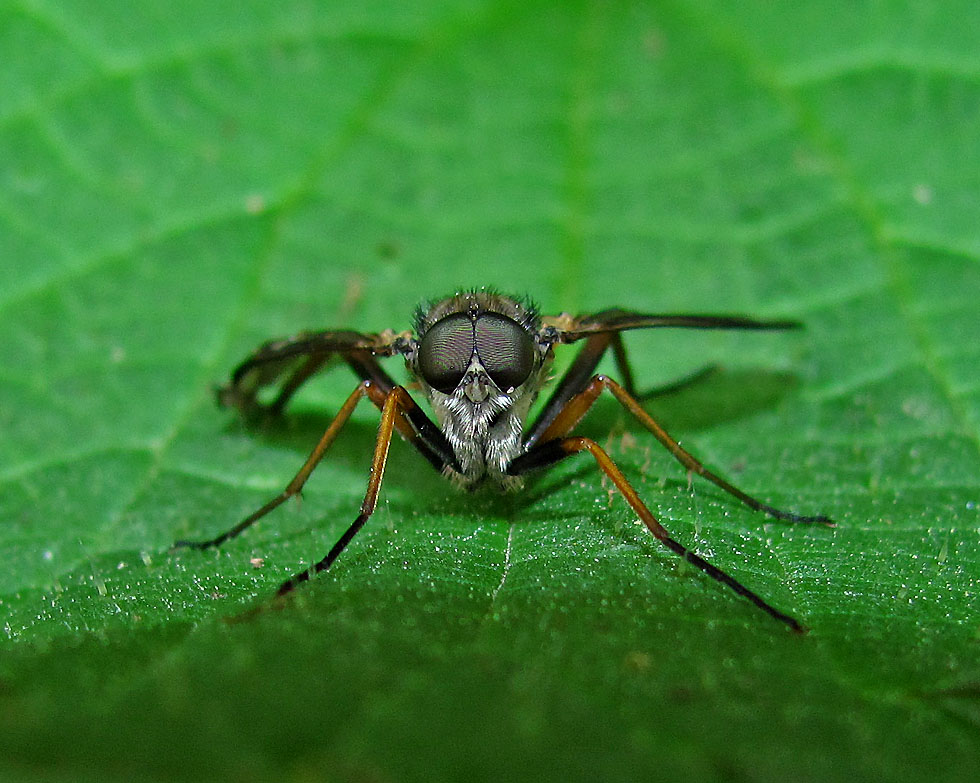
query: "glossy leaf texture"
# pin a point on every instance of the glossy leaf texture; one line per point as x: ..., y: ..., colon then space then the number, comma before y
x: 180, y: 182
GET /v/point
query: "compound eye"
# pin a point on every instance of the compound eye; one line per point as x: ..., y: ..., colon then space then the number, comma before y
x: 505, y: 349
x: 445, y: 352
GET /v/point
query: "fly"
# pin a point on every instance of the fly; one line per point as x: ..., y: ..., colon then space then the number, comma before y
x: 480, y: 360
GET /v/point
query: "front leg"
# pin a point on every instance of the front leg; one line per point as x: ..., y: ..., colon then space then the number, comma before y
x: 393, y: 410
x: 407, y: 418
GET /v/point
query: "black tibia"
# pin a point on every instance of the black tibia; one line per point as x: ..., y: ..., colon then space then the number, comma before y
x: 303, y: 576
x: 427, y: 437
x: 543, y: 455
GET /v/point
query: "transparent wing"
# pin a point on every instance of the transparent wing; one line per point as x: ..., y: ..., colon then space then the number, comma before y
x: 291, y: 361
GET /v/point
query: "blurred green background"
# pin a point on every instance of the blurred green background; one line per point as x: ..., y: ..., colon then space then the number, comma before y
x: 180, y: 182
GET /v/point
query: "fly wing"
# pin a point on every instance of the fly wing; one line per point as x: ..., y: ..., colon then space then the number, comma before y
x: 290, y: 361
x: 568, y: 329
x: 601, y: 332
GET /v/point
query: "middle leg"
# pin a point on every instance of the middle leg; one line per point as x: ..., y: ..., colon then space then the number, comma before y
x: 576, y: 408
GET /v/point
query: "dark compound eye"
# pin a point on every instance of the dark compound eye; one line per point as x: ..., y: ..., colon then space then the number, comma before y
x: 445, y: 352
x: 505, y: 350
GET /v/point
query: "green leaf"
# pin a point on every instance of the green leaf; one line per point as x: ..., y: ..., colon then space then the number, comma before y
x: 180, y: 183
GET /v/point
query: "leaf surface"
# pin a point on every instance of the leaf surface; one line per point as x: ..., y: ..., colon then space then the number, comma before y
x: 181, y: 183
